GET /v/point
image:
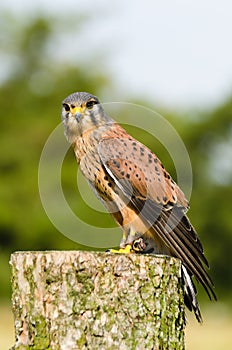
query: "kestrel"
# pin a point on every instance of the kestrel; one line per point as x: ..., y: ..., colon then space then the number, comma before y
x: 136, y: 189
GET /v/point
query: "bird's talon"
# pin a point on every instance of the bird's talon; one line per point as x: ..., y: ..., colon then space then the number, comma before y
x: 139, y: 245
x: 127, y: 250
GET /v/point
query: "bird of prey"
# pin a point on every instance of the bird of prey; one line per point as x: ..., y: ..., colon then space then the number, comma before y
x: 136, y: 189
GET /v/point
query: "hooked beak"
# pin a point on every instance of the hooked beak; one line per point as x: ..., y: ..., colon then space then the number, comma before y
x: 77, y: 112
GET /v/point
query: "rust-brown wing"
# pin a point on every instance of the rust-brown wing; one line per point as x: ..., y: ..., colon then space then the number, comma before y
x: 157, y: 199
x: 135, y: 163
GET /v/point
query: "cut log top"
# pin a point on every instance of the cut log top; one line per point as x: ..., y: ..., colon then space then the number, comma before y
x: 92, y: 300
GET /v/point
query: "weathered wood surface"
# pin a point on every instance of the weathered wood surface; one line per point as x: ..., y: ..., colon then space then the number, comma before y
x: 89, y: 300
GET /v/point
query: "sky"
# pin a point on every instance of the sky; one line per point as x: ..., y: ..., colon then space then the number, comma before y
x: 176, y: 53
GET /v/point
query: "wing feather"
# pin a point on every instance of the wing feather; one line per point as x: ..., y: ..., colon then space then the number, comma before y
x: 157, y: 199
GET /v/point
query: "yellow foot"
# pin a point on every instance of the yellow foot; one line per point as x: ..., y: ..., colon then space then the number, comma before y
x: 127, y: 250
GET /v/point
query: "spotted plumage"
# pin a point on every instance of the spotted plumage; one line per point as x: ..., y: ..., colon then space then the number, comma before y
x: 136, y: 189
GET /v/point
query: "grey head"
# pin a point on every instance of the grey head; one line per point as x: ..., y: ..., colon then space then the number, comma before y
x: 82, y: 112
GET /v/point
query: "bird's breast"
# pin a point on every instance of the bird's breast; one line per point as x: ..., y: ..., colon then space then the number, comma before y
x: 86, y: 151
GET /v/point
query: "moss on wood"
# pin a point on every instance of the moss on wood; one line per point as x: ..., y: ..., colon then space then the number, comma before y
x: 90, y: 300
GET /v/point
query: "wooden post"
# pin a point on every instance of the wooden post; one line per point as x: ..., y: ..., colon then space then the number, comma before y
x: 89, y: 300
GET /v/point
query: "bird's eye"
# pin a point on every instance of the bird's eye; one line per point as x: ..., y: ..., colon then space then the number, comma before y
x: 90, y: 104
x: 66, y: 107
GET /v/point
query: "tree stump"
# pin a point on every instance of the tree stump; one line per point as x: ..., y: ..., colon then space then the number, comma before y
x: 90, y: 300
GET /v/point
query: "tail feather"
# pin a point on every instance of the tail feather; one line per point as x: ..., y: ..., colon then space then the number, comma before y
x: 190, y: 294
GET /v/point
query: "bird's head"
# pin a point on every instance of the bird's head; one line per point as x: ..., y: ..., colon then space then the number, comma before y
x: 81, y: 112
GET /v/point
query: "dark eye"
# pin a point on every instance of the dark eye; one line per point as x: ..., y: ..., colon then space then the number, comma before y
x: 66, y: 107
x: 90, y: 104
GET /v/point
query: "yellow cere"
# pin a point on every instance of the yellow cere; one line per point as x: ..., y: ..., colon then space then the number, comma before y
x: 77, y: 110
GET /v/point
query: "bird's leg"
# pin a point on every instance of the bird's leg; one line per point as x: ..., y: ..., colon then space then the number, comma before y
x: 123, y: 242
x: 137, y: 246
x: 126, y: 243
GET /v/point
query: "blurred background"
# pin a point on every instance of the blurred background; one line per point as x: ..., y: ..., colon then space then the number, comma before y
x: 174, y: 57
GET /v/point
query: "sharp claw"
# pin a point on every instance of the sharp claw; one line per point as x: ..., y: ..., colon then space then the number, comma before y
x: 139, y: 245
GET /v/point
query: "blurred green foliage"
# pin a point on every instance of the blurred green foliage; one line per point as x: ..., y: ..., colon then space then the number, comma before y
x: 30, y: 98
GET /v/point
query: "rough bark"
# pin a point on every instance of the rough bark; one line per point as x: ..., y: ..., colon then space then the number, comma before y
x: 89, y: 300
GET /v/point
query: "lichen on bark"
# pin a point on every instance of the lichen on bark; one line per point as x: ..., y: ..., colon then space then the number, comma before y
x: 88, y: 300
